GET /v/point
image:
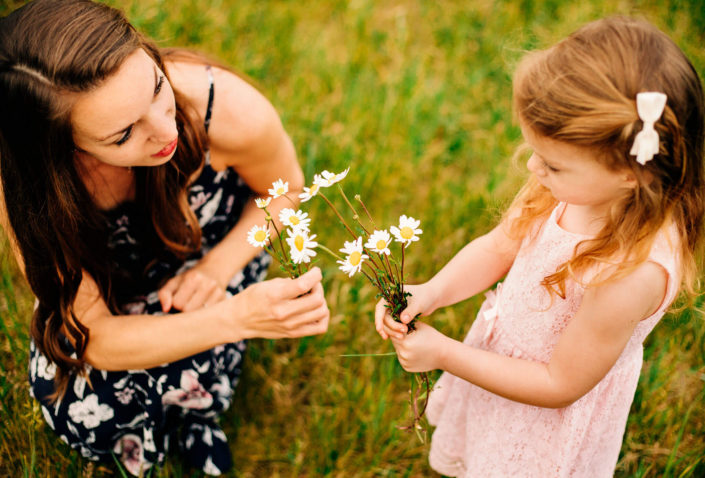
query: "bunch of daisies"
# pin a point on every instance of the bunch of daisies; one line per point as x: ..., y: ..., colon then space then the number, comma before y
x: 368, y: 253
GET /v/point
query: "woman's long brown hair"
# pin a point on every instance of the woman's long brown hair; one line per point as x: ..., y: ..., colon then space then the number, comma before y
x: 50, y: 49
x: 583, y: 91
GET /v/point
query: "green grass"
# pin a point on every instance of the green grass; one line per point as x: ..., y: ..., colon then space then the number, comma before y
x: 417, y: 99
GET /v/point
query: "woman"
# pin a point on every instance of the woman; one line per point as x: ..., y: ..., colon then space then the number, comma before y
x: 126, y: 173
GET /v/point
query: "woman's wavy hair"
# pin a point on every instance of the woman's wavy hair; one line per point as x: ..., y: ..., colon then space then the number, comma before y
x: 583, y: 91
x: 50, y: 50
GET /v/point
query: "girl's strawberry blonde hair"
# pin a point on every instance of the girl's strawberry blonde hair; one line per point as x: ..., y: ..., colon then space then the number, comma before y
x: 583, y: 91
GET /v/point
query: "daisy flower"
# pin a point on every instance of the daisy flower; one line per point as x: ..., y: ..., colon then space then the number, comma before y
x: 353, y: 262
x: 301, y: 245
x: 279, y: 188
x: 379, y: 242
x: 258, y: 236
x: 327, y: 178
x: 313, y: 190
x: 407, y: 231
x: 292, y: 218
x: 262, y: 203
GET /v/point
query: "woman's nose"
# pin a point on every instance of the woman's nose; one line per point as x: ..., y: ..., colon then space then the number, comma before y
x: 163, y: 126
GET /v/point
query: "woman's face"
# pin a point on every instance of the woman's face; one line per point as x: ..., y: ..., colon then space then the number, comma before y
x: 129, y: 120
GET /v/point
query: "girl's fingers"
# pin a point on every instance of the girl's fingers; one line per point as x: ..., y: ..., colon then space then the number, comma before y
x: 380, y: 311
x: 393, y: 326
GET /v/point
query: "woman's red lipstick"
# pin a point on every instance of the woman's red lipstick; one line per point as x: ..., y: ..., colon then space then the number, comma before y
x: 168, y: 149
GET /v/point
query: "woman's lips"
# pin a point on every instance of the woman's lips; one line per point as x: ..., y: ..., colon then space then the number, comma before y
x: 168, y: 149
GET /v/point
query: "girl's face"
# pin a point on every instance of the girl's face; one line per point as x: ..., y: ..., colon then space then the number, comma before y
x: 129, y: 120
x: 573, y: 173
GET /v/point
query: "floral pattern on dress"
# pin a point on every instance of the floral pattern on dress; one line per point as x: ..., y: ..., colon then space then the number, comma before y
x: 135, y: 414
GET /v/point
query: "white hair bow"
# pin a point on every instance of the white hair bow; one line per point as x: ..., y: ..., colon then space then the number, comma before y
x: 650, y: 107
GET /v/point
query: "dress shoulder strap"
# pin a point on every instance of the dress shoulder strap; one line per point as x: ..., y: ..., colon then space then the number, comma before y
x: 211, y: 94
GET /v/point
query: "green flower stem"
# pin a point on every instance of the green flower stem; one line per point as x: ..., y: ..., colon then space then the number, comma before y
x: 356, y: 216
x: 401, y: 273
x: 274, y: 224
x: 389, y: 265
x: 324, y: 248
x: 369, y: 254
x: 338, y: 214
x: 369, y: 216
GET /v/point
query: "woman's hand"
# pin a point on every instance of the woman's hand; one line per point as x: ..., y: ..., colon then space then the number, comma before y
x: 280, y: 308
x: 419, y: 351
x: 421, y: 301
x: 190, y: 290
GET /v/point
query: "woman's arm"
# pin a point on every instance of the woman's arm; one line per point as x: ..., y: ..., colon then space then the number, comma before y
x: 272, y: 309
x: 587, y: 349
x: 246, y: 134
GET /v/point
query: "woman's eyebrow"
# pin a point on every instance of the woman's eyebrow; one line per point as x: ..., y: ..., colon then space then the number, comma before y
x: 156, y: 85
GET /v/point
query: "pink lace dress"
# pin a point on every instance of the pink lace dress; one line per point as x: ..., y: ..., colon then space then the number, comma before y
x: 482, y: 434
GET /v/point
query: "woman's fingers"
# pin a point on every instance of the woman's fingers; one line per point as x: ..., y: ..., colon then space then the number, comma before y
x: 309, y: 301
x: 309, y: 323
x: 166, y: 293
x: 190, y: 291
x: 293, y: 288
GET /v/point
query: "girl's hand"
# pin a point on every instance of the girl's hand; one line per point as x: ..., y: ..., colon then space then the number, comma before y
x: 419, y: 351
x: 281, y: 308
x: 190, y: 290
x: 421, y: 301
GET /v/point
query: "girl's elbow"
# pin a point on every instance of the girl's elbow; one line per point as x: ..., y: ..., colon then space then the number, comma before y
x: 563, y: 399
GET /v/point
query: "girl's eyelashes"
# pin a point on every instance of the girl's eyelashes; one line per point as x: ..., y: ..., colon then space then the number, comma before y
x: 549, y: 167
x: 125, y: 136
x: 159, y: 85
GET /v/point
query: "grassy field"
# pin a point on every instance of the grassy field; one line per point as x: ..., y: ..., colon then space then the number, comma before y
x: 415, y: 96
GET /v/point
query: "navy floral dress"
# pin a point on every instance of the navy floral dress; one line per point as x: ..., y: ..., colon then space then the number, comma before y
x: 137, y: 415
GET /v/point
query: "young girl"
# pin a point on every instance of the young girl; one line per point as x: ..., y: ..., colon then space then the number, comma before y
x: 126, y: 178
x: 593, y: 251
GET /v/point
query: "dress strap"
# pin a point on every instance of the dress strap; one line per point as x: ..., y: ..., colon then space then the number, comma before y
x: 211, y: 94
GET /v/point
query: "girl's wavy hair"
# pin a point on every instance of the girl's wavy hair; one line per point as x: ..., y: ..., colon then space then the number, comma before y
x: 49, y: 51
x: 583, y: 91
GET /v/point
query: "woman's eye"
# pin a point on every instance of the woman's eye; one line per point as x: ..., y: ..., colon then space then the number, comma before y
x: 125, y: 136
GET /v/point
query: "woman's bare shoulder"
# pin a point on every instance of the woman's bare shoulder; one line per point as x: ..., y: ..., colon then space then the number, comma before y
x: 191, y: 80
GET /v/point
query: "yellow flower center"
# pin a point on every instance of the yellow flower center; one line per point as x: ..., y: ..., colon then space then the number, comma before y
x: 381, y: 245
x: 294, y: 220
x: 260, y: 236
x: 313, y: 190
x: 354, y: 258
x: 299, y: 242
x: 406, y: 232
x: 280, y: 191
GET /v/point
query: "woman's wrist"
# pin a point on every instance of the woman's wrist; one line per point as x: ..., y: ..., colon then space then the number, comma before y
x: 228, y: 317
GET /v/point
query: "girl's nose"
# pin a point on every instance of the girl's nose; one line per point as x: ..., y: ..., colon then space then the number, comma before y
x: 534, y: 165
